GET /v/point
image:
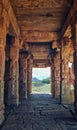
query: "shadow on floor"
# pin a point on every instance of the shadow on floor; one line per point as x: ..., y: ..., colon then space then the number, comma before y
x: 40, y: 112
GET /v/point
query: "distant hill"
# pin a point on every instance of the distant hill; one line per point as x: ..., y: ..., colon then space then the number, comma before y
x: 34, y: 79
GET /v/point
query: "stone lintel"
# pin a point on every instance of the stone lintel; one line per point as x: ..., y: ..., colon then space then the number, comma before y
x: 38, y: 36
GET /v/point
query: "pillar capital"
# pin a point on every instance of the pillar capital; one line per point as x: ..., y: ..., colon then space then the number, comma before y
x: 30, y: 60
x: 24, y: 54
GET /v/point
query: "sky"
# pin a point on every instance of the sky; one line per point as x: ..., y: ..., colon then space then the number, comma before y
x: 41, y: 73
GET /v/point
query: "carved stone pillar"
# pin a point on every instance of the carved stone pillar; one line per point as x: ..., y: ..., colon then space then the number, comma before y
x: 74, y: 39
x: 2, y: 60
x: 23, y: 75
x: 29, y: 75
x: 2, y: 69
x: 60, y: 73
x: 13, y: 92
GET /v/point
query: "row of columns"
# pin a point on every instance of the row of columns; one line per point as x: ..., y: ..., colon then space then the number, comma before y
x: 74, y: 42
x: 25, y: 85
x: 13, y: 82
x: 20, y: 77
x: 14, y: 92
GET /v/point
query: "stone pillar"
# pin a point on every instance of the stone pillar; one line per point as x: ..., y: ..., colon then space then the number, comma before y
x: 67, y: 71
x: 74, y: 39
x: 52, y: 76
x: 57, y: 75
x: 56, y: 68
x: 13, y: 92
x: 23, y: 76
x: 2, y: 60
x: 29, y: 74
x: 2, y: 69
x: 61, y: 73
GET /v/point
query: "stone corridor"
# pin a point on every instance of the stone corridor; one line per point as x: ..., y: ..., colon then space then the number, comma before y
x: 38, y: 34
x: 40, y: 112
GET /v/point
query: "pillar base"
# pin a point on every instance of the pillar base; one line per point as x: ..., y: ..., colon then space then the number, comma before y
x: 1, y: 117
x: 65, y: 100
x: 1, y: 114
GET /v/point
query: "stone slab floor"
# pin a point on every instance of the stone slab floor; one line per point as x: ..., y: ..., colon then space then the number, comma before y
x: 40, y: 112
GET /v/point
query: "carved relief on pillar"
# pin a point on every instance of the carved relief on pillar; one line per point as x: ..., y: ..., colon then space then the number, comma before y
x: 23, y: 74
x: 13, y: 93
x: 55, y: 69
x: 2, y: 68
x: 3, y: 30
x: 74, y: 41
x: 29, y: 74
x: 67, y: 72
x: 57, y: 75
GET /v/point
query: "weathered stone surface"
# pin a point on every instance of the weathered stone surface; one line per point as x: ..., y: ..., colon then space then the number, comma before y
x: 23, y: 76
x: 38, y: 36
x: 57, y: 75
x: 67, y: 73
x: 2, y: 64
x: 40, y: 26
x: 11, y: 16
x: 70, y: 16
x: 13, y: 92
x: 2, y: 60
x: 41, y: 112
x: 37, y: 16
x: 40, y: 54
x: 29, y: 75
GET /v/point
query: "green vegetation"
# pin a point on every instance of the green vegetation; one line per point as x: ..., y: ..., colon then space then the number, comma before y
x: 46, y: 81
x: 45, y: 88
x: 41, y: 86
x: 36, y: 84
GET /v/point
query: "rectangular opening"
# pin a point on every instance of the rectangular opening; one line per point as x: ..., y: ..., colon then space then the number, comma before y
x: 41, y: 83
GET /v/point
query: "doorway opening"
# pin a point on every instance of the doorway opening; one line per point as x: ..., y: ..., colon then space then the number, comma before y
x: 41, y: 83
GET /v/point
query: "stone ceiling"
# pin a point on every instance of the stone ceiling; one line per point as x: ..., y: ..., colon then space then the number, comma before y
x: 43, y: 17
x: 40, y: 22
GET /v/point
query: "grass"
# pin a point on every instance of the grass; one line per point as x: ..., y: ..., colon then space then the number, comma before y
x: 38, y: 87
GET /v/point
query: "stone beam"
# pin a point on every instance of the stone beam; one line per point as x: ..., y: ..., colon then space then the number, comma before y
x: 38, y: 36
x: 41, y: 61
x: 69, y: 17
x: 11, y: 15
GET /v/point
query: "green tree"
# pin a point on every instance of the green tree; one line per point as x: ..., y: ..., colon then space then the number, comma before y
x: 46, y: 81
